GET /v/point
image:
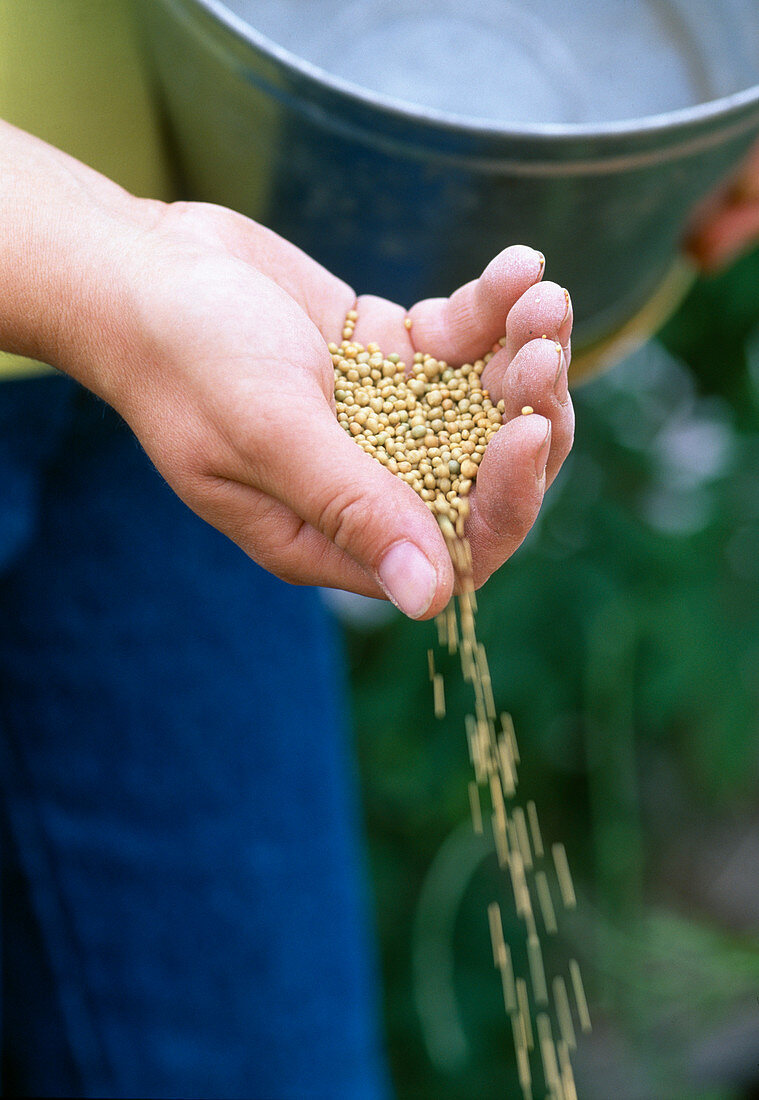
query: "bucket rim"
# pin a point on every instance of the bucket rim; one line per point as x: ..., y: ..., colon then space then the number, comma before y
x: 711, y: 111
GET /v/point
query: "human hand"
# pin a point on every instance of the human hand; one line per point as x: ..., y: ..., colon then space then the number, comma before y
x: 208, y: 333
x: 727, y: 224
x: 233, y: 402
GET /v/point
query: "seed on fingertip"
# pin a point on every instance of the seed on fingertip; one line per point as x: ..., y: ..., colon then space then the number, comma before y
x: 527, y: 409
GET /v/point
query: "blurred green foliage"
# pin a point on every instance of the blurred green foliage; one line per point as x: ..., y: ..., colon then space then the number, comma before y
x: 624, y: 639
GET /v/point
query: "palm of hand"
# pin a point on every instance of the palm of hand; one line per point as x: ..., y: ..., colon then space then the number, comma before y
x: 234, y: 405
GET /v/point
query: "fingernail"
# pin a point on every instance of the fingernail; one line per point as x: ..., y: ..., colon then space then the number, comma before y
x: 565, y: 328
x: 541, y: 458
x: 408, y: 579
x: 561, y: 381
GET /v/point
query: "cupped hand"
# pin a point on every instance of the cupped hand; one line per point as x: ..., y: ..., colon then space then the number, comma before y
x: 224, y: 374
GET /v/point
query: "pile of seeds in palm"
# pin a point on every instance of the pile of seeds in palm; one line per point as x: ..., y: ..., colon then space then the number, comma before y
x: 430, y: 425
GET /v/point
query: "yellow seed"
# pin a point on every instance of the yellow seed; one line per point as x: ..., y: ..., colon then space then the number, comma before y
x: 520, y: 827
x: 548, y: 1055
x: 567, y: 1076
x: 496, y: 932
x: 507, y: 979
x: 563, y: 1012
x: 545, y: 901
x: 524, y: 1012
x: 564, y: 876
x: 537, y: 839
x: 439, y: 695
x: 579, y: 991
x: 537, y: 971
x: 474, y: 802
x: 507, y: 726
x: 523, y: 1070
x: 507, y: 767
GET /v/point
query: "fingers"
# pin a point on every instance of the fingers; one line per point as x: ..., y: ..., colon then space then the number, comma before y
x: 508, y: 492
x: 526, y: 453
x: 537, y: 377
x: 461, y: 328
x: 543, y: 310
x: 310, y: 464
x: 383, y: 323
x: 297, y: 493
x: 277, y: 539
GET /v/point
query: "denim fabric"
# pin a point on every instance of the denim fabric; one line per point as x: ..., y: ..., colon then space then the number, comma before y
x: 183, y: 898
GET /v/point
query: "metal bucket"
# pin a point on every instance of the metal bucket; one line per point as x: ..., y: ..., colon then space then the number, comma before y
x: 408, y: 201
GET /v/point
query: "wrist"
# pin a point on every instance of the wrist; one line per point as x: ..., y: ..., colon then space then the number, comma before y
x: 66, y: 238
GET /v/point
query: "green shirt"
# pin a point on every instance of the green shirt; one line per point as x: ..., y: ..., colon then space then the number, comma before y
x: 72, y: 73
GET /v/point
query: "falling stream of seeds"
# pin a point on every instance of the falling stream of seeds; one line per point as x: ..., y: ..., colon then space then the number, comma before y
x: 430, y: 426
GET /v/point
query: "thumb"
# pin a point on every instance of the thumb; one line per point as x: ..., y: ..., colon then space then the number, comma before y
x: 364, y: 509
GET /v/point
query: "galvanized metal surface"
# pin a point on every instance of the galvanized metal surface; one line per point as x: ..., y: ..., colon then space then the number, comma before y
x: 408, y: 202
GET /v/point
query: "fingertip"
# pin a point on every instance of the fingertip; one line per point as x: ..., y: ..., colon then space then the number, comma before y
x: 508, y: 492
x: 464, y: 326
x: 418, y: 586
x: 408, y: 578
x: 518, y: 265
x: 544, y: 446
x: 531, y: 434
x: 565, y: 328
x: 544, y: 310
x: 511, y: 480
x: 503, y: 282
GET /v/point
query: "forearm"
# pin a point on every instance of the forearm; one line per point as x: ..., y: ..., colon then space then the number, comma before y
x: 65, y: 235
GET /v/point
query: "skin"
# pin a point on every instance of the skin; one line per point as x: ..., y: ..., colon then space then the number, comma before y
x: 208, y: 333
x: 728, y: 222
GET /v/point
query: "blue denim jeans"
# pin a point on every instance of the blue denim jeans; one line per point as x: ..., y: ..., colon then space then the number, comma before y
x: 183, y: 895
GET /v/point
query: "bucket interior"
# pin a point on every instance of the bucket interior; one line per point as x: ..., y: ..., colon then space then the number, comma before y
x: 523, y: 62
